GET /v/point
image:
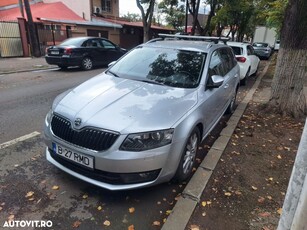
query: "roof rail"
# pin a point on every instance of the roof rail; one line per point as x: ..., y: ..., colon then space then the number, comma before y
x: 199, y: 38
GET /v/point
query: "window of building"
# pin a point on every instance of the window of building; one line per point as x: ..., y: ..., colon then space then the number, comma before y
x: 106, y: 5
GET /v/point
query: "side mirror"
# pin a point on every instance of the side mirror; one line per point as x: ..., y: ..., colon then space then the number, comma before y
x: 215, y: 81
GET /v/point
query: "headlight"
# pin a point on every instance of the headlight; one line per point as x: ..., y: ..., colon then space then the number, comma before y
x: 148, y: 140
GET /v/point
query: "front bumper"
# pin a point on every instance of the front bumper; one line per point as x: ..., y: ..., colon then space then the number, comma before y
x: 118, y: 170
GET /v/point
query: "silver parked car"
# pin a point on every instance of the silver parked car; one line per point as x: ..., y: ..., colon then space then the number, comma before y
x: 140, y: 122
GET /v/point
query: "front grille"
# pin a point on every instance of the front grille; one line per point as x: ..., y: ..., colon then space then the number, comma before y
x: 87, y: 137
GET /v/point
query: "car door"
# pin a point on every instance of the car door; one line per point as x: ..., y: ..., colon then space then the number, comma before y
x: 112, y: 52
x: 212, y: 99
x: 254, y: 60
x: 93, y: 49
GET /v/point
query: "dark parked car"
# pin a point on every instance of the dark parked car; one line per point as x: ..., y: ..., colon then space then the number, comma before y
x: 262, y: 49
x: 85, y: 52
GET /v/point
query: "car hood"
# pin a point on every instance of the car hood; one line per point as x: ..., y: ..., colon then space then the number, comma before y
x: 125, y: 106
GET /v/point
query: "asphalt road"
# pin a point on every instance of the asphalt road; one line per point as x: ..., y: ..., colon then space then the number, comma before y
x: 33, y: 189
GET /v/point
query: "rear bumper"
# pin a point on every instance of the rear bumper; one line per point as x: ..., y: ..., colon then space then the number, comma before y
x: 63, y: 61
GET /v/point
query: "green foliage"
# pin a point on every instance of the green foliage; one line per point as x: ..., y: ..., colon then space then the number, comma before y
x: 132, y: 17
x: 174, y: 13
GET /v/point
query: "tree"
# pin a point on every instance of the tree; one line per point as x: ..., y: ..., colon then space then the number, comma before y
x: 174, y: 13
x: 132, y: 17
x: 291, y: 70
x: 237, y: 15
x: 32, y: 34
x: 146, y: 16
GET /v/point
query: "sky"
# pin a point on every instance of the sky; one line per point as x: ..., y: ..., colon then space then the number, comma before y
x: 130, y: 6
x: 126, y: 6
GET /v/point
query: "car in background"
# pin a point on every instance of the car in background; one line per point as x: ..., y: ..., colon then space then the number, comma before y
x: 140, y: 122
x: 262, y: 50
x: 85, y: 52
x: 276, y: 45
x: 247, y: 59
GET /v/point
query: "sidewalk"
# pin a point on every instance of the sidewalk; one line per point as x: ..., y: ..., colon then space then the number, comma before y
x: 191, y: 196
x: 23, y: 64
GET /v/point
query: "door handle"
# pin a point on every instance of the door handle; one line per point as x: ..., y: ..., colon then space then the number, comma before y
x: 226, y: 86
x: 236, y: 75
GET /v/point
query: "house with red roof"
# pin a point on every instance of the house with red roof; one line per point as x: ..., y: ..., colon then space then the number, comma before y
x: 57, y: 20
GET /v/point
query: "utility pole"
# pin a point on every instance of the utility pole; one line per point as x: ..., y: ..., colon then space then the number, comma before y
x: 32, y: 34
x: 294, y: 211
x: 21, y: 8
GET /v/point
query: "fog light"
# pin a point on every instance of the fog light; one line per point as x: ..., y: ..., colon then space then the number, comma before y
x: 132, y: 178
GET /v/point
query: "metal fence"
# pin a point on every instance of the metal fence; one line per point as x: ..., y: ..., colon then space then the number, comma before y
x: 49, y: 37
x: 10, y: 40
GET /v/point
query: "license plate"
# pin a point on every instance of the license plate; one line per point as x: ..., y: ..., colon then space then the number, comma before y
x: 55, y: 52
x: 79, y: 158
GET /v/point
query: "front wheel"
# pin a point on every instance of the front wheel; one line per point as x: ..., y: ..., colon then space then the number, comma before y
x: 231, y: 107
x: 87, y: 63
x: 187, y: 161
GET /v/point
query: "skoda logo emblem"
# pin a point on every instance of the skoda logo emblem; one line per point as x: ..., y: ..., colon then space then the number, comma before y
x: 78, y: 122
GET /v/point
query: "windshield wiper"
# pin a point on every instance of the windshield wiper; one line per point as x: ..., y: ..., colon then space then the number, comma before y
x: 151, y: 81
x: 114, y: 74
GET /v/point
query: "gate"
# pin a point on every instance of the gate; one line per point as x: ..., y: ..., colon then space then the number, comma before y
x: 49, y: 37
x: 10, y: 40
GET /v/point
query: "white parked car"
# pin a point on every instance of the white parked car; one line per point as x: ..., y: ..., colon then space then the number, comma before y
x: 247, y: 59
x: 276, y: 45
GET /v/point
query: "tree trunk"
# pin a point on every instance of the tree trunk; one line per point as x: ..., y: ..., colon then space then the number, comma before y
x: 291, y: 70
x: 32, y: 33
x: 146, y: 18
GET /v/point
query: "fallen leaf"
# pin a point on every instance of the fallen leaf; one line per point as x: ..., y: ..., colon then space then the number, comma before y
x: 159, y: 202
x: 31, y: 199
x: 131, y: 227
x: 55, y: 187
x: 131, y: 210
x: 271, y: 179
x: 85, y: 196
x: 279, y: 211
x: 264, y: 214
x: 107, y: 223
x: 279, y: 157
x: 168, y: 212
x: 209, y: 202
x: 238, y: 193
x: 156, y: 223
x: 261, y: 199
x: 99, y: 208
x: 269, y: 197
x: 164, y: 220
x: 204, y: 214
x: 11, y: 218
x: 29, y: 194
x: 227, y: 194
x: 204, y: 203
x: 76, y: 224
x: 254, y: 188
x: 194, y: 227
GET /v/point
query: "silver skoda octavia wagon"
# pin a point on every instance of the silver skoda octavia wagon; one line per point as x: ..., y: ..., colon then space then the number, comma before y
x: 140, y: 122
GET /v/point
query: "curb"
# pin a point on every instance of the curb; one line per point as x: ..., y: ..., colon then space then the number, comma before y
x: 27, y: 70
x: 184, y: 208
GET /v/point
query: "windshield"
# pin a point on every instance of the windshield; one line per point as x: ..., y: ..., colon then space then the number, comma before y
x: 171, y: 67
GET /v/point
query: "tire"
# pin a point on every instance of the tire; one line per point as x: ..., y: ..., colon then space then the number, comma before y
x: 87, y: 63
x: 255, y: 74
x: 231, y: 107
x: 188, y: 157
x: 243, y: 81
